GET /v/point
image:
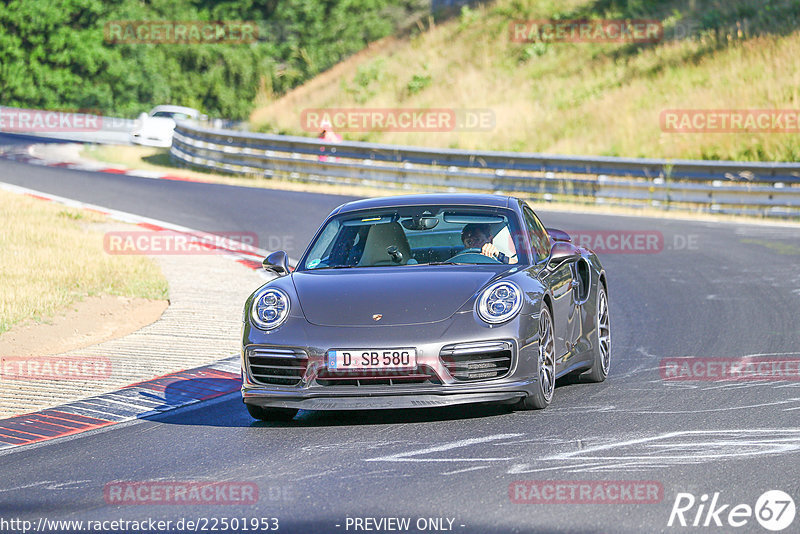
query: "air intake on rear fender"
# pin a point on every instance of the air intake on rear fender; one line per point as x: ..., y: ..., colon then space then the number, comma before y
x: 477, y: 361
x: 277, y: 366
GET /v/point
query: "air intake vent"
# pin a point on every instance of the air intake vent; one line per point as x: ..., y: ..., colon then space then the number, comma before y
x: 423, y: 375
x: 277, y: 366
x: 477, y: 361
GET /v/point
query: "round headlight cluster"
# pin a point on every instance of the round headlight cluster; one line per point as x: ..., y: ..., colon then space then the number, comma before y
x: 500, y: 302
x: 270, y: 308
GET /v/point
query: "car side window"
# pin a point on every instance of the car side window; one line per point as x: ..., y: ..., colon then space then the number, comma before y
x: 540, y: 240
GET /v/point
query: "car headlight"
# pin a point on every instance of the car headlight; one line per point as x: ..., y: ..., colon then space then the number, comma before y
x: 500, y: 302
x: 270, y: 308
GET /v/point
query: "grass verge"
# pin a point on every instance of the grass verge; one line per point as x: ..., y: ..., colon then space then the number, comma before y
x: 52, y: 256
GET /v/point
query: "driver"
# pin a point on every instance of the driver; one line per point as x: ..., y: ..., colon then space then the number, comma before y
x: 479, y: 236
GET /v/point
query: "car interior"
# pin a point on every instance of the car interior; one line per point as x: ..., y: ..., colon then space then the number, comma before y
x: 421, y: 238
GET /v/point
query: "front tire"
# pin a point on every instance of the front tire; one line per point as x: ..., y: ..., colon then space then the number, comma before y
x: 271, y: 414
x: 546, y: 368
x: 602, y: 339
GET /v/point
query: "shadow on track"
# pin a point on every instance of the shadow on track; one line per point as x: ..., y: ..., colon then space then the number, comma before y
x: 232, y: 413
x: 172, y: 392
x: 388, y: 417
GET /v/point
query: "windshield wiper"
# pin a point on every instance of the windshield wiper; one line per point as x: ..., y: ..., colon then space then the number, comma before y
x: 448, y: 262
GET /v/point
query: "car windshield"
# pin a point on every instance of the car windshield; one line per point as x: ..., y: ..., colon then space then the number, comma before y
x: 413, y: 236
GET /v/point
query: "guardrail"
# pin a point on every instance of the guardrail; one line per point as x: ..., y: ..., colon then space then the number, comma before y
x: 768, y: 189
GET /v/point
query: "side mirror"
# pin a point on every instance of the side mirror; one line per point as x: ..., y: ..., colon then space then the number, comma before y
x: 562, y: 252
x: 559, y: 235
x: 277, y: 262
x: 142, y: 116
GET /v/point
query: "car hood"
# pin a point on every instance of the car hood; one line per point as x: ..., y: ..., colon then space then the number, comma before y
x: 400, y: 295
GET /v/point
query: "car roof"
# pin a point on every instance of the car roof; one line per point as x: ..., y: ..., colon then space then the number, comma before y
x: 452, y: 199
x: 177, y: 109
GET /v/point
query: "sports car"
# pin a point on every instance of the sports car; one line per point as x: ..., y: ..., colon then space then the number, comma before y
x: 156, y: 128
x: 423, y: 301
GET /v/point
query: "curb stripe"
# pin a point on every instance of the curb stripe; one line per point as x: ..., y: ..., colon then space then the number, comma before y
x: 153, y: 227
x: 64, y: 423
x: 10, y: 440
x: 251, y: 264
x: 17, y: 435
x: 156, y: 396
x: 73, y: 417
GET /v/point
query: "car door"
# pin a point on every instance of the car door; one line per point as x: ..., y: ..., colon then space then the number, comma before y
x: 561, y: 283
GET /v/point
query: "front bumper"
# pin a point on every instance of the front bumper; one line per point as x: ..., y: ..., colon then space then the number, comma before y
x: 313, y: 392
x: 378, y: 402
x: 152, y: 139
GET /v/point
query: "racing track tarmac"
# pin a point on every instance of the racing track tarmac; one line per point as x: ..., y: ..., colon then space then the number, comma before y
x: 715, y: 290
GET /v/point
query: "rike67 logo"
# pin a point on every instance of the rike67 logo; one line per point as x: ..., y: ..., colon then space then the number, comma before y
x: 774, y: 510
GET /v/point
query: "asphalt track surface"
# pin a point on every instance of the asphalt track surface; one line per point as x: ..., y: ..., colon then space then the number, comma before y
x: 715, y: 290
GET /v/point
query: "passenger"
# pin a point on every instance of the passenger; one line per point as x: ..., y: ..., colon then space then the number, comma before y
x: 479, y: 236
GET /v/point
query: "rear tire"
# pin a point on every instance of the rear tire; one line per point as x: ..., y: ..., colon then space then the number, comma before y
x: 602, y: 340
x: 546, y: 368
x: 271, y: 414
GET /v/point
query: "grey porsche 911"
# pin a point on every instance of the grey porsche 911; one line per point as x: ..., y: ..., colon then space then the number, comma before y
x: 424, y: 301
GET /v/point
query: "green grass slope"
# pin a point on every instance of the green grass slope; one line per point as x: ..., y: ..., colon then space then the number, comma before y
x: 575, y: 98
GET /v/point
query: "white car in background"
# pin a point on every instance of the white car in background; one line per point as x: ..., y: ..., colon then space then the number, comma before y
x: 155, y: 128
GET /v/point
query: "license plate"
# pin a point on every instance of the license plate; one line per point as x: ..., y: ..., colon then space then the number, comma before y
x: 360, y: 359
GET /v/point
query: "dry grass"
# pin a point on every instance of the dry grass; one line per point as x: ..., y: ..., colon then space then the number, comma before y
x: 52, y: 256
x: 139, y: 157
x: 599, y: 99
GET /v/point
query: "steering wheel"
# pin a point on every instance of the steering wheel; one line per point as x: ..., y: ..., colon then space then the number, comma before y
x: 472, y: 255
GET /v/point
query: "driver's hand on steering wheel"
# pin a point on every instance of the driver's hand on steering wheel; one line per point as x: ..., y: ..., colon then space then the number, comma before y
x: 490, y: 250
